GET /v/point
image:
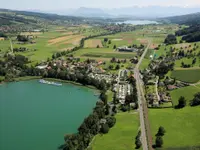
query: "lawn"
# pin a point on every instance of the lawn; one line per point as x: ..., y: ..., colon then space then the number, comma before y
x: 182, y: 126
x: 144, y: 64
x: 121, y: 136
x: 188, y: 92
x: 188, y: 75
x: 109, y: 95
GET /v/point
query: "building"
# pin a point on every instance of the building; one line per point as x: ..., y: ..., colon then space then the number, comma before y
x: 126, y: 49
x: 42, y: 67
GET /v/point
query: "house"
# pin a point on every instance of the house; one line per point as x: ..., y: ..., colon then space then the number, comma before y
x: 171, y: 87
x: 1, y: 39
x: 42, y: 67
x: 126, y: 49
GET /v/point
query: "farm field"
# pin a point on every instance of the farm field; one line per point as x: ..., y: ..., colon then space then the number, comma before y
x: 187, y: 75
x: 103, y: 53
x: 121, y: 136
x: 47, y: 43
x: 93, y: 43
x: 182, y: 126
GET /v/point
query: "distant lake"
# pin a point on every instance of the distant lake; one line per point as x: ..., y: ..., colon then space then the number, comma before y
x: 138, y: 22
x: 36, y: 116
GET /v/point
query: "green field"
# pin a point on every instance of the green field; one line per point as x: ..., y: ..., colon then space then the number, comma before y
x: 103, y: 53
x: 188, y: 92
x: 110, y: 55
x: 189, y: 75
x: 182, y: 126
x: 55, y: 40
x: 121, y: 136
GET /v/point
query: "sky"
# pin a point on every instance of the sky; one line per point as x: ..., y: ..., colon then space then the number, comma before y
x: 64, y: 4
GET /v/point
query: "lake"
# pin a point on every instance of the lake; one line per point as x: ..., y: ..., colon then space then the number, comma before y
x: 36, y: 116
x: 138, y: 22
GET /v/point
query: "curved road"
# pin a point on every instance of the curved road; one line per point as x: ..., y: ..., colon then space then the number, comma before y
x: 144, y: 124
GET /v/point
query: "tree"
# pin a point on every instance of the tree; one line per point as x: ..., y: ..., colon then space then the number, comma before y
x: 110, y: 120
x: 196, y: 100
x: 170, y: 39
x: 117, y: 67
x: 97, y: 46
x: 114, y: 47
x: 109, y: 42
x: 104, y: 128
x: 110, y: 67
x: 104, y: 97
x: 159, y: 141
x: 138, y: 143
x: 137, y: 140
x: 22, y: 38
x: 114, y: 109
x: 161, y: 131
x: 193, y: 61
x: 3, y: 35
x: 181, y: 102
x: 107, y: 109
x: 105, y: 39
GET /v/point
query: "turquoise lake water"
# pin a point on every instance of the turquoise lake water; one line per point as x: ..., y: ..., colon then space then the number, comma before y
x: 36, y: 116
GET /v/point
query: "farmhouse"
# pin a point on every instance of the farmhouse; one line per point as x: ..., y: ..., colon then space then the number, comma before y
x: 126, y: 49
x: 1, y: 39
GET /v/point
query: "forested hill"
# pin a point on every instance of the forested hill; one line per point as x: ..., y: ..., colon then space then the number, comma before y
x: 190, y: 19
x: 10, y: 17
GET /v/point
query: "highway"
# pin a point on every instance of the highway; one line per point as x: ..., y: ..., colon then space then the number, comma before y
x: 144, y: 122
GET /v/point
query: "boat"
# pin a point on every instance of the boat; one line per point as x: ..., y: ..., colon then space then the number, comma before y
x: 49, y: 82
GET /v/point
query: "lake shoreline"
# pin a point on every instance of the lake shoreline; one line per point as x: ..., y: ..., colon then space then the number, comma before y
x: 27, y: 78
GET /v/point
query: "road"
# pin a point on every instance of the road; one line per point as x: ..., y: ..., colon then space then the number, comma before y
x: 144, y: 122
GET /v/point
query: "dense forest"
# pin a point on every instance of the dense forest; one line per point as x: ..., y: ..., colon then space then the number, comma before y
x: 189, y: 19
x: 170, y: 39
x: 190, y: 34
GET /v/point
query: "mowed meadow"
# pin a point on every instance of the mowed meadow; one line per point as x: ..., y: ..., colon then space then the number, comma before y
x: 181, y: 125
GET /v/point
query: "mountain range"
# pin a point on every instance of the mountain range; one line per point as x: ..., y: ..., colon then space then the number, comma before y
x: 134, y: 11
